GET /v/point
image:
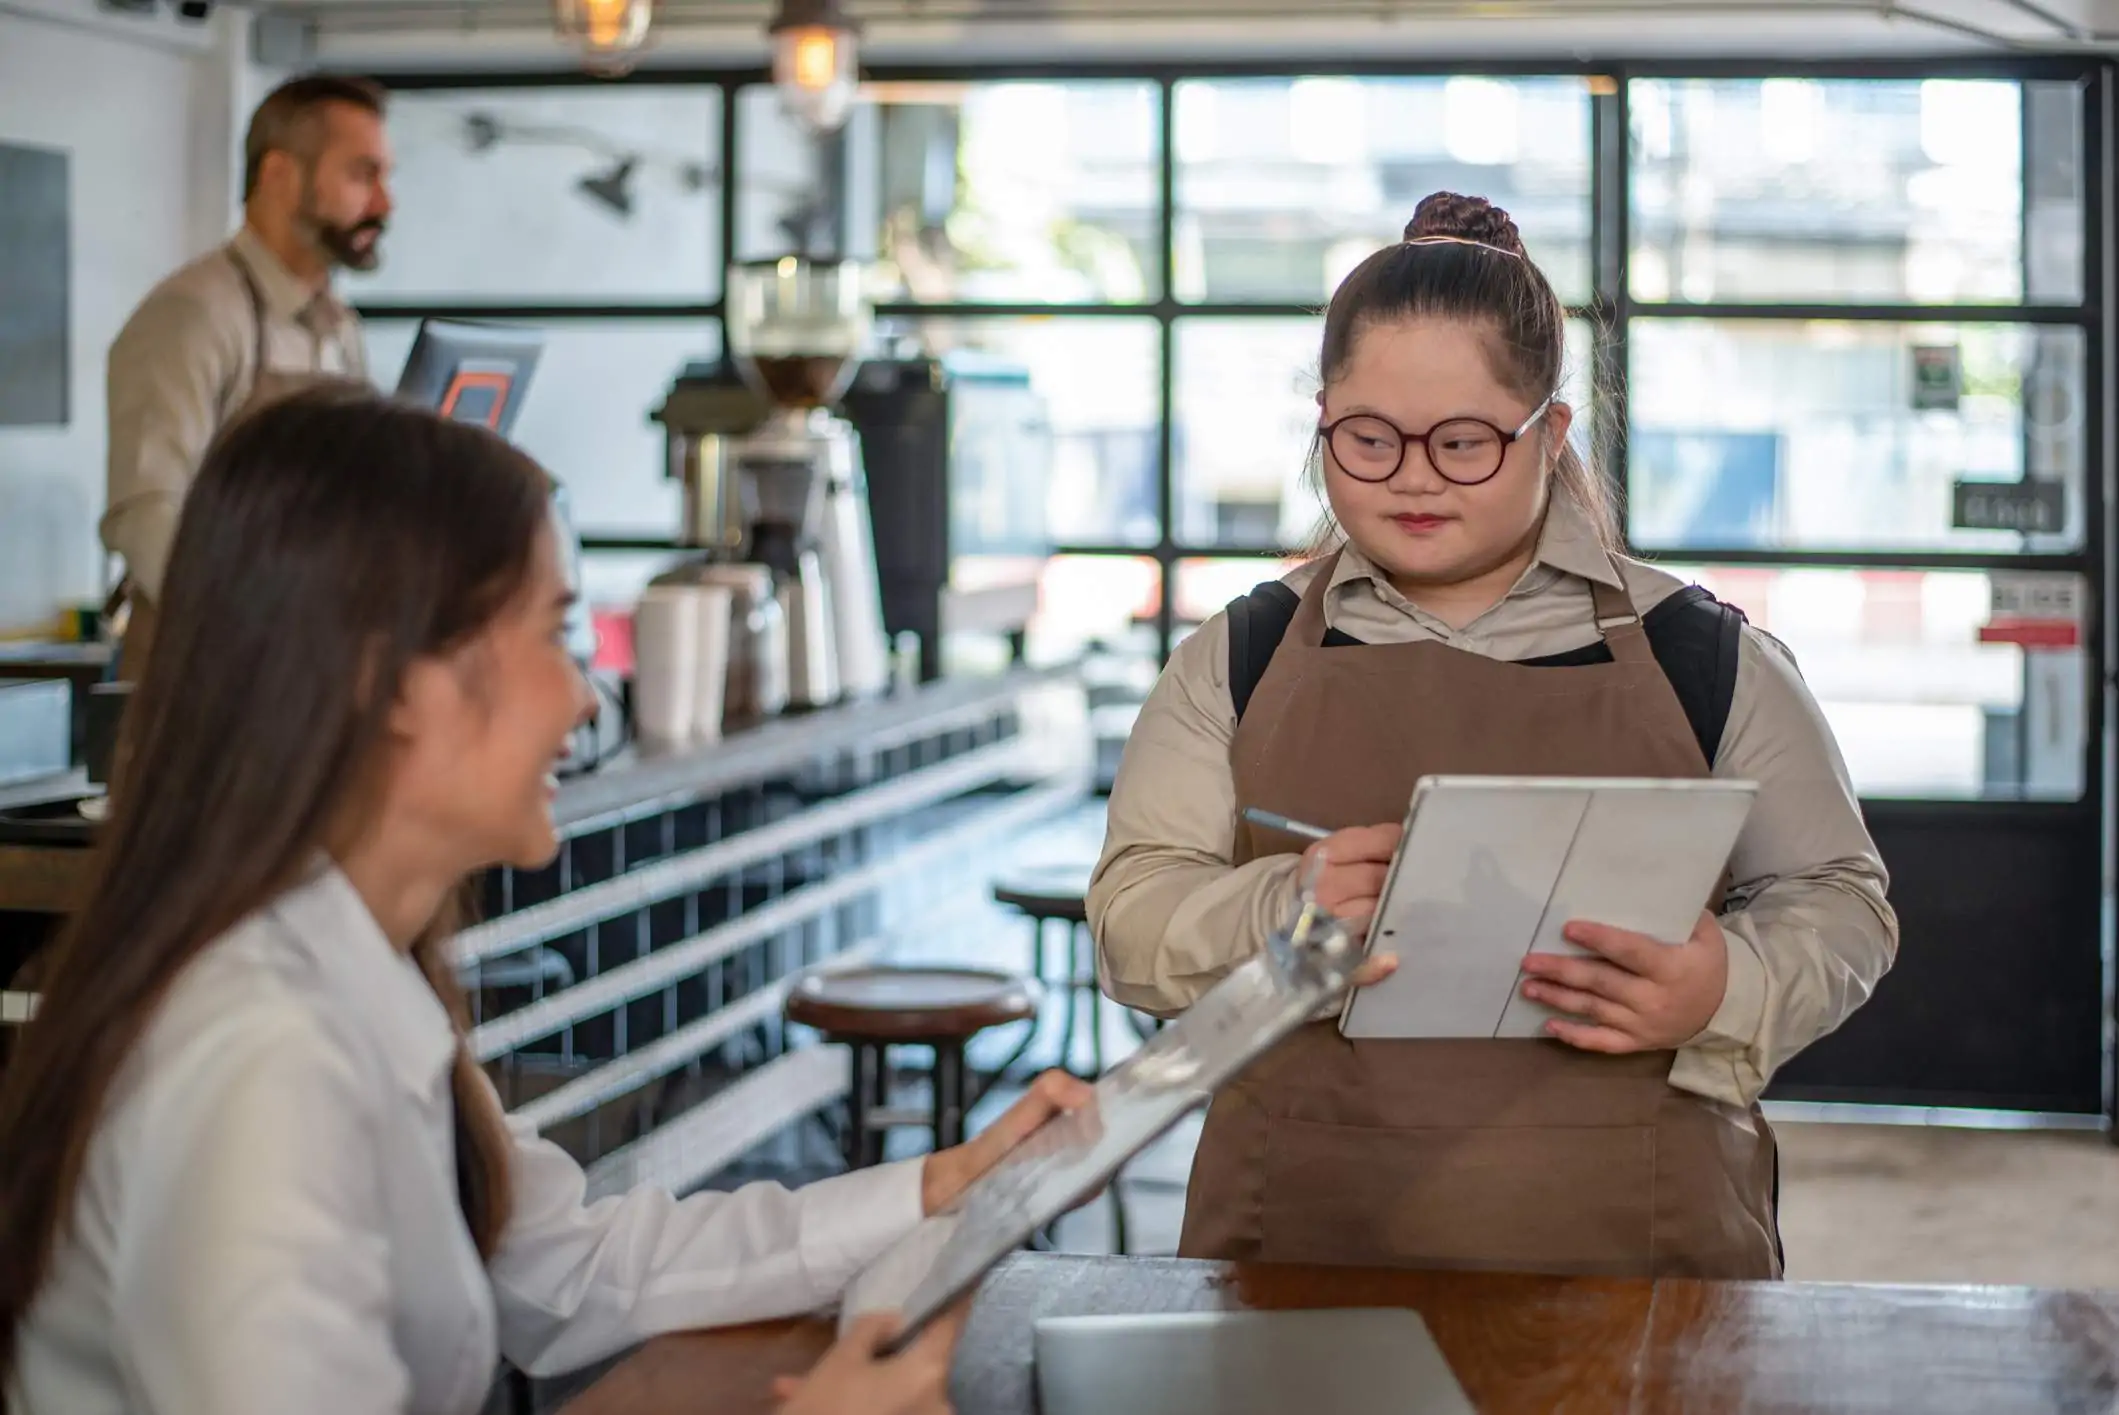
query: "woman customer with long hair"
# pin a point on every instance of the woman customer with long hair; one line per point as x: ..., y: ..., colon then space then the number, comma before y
x: 246, y: 1162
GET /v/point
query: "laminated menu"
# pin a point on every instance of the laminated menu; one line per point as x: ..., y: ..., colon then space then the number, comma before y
x: 1305, y: 967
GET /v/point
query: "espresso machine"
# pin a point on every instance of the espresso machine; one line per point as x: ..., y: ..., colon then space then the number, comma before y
x: 774, y: 488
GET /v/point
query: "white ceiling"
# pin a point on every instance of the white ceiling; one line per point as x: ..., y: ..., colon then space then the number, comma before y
x: 452, y: 33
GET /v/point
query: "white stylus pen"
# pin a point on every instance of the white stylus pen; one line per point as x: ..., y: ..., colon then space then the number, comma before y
x: 1274, y: 821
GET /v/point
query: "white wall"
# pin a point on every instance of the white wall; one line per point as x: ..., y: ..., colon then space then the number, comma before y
x: 145, y: 109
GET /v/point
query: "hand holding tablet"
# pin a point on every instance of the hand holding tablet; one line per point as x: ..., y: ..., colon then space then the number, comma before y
x: 1635, y: 993
x: 1588, y: 876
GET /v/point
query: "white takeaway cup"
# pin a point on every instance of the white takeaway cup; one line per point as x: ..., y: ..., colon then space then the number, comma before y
x: 665, y: 664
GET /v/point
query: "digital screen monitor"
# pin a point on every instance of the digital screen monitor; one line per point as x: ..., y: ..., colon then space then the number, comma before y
x: 472, y: 373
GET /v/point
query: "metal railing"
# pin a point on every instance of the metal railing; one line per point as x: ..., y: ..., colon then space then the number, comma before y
x: 641, y: 984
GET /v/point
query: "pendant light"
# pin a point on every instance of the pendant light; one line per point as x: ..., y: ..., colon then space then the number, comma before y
x: 815, y: 62
x: 611, y: 33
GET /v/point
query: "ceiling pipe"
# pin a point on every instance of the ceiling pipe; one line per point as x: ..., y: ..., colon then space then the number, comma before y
x: 369, y: 15
x: 2061, y: 24
x: 701, y: 20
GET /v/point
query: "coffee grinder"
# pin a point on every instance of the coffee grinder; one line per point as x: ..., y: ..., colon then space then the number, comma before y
x: 797, y: 331
x: 773, y: 477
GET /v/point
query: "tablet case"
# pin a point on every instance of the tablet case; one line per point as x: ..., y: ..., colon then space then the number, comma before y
x: 1492, y: 868
x: 1363, y: 1361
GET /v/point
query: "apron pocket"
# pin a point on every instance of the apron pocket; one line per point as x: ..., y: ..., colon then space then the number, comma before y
x: 1548, y: 1199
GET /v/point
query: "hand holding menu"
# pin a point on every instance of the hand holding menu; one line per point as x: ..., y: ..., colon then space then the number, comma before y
x: 1494, y: 868
x: 1305, y: 966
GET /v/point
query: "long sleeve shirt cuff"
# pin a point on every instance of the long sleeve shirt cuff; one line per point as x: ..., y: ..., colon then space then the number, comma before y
x: 1721, y: 1062
x: 848, y: 1220
x: 143, y: 531
x: 1737, y: 1022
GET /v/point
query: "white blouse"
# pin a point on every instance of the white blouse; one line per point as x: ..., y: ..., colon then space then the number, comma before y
x: 268, y: 1220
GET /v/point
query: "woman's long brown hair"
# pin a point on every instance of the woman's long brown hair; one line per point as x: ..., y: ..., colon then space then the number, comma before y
x: 329, y: 540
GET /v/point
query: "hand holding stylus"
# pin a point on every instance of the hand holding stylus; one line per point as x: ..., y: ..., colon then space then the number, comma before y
x: 1349, y: 867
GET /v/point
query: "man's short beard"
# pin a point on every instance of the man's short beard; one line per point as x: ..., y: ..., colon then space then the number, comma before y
x: 337, y: 242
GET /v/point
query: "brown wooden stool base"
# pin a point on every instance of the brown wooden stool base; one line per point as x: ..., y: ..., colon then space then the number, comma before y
x: 874, y: 1009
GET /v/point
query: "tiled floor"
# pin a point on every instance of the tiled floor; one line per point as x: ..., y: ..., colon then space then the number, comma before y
x: 1918, y: 1204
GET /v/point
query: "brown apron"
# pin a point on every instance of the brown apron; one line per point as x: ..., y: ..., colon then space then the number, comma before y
x: 1520, y: 1155
x: 266, y: 385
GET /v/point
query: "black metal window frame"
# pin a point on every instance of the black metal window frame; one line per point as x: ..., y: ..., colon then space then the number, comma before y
x: 1610, y: 310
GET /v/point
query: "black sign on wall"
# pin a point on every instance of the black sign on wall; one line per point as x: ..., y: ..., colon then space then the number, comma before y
x: 2036, y: 508
x: 35, y: 265
x: 1938, y: 377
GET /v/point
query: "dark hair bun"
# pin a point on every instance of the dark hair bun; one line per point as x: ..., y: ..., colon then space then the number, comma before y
x: 1467, y: 219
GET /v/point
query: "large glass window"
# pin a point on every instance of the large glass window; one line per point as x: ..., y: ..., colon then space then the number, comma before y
x: 585, y: 416
x: 1245, y: 418
x: 1847, y: 331
x: 1285, y: 184
x: 1771, y: 434
x: 1921, y: 678
x: 1105, y: 602
x: 1205, y: 587
x: 967, y: 193
x: 553, y: 196
x: 1819, y: 191
x: 1096, y: 380
x: 1245, y: 414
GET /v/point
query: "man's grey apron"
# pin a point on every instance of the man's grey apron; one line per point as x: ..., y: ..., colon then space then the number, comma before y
x: 267, y: 385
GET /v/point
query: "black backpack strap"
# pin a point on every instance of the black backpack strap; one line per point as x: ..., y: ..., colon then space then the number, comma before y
x: 1697, y: 640
x: 1258, y: 621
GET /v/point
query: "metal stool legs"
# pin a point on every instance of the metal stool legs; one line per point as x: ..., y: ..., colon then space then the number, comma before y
x: 870, y: 1096
x: 869, y: 1093
x: 1076, y: 974
x: 1081, y: 965
x: 950, y: 1091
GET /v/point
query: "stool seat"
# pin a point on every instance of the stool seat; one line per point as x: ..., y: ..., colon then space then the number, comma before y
x: 1047, y: 892
x: 911, y: 1004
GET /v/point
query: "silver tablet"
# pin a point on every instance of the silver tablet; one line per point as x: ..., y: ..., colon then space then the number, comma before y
x: 1304, y: 967
x: 1361, y: 1361
x: 1494, y: 867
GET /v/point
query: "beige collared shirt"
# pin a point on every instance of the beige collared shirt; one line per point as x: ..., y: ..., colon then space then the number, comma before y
x: 1809, y: 928
x: 183, y: 365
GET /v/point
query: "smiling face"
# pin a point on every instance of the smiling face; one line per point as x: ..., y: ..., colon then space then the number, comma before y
x: 1420, y: 528
x: 482, y: 729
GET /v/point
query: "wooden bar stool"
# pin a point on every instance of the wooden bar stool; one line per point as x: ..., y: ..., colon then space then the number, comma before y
x: 875, y: 1009
x: 1058, y: 894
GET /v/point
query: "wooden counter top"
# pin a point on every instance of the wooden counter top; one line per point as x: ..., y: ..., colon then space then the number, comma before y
x: 1518, y: 1344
